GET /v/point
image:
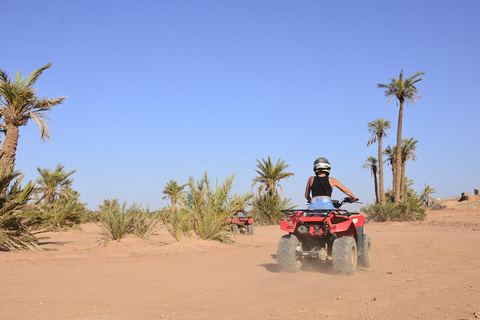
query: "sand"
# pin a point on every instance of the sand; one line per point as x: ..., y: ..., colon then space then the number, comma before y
x: 420, y: 270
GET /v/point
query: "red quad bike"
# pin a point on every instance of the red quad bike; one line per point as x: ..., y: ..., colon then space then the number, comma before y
x: 324, y: 235
x: 240, y: 223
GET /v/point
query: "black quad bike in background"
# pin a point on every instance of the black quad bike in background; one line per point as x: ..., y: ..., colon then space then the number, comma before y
x: 334, y: 235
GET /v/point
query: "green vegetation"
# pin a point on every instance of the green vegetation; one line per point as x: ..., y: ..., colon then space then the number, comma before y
x: 202, y: 209
x: 269, y: 175
x: 267, y: 202
x: 372, y: 164
x: 378, y: 130
x: 15, y: 209
x: 59, y: 204
x: 173, y: 191
x: 403, y: 90
x: 178, y: 222
x: 196, y: 207
x: 401, y: 203
x: 409, y: 209
x: 118, y: 221
x: 20, y: 104
x: 209, y: 208
x: 267, y: 209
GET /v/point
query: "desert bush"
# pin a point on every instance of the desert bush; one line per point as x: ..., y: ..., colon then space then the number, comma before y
x: 63, y: 214
x: 378, y: 213
x: 409, y: 209
x: 117, y: 221
x: 178, y: 222
x: 266, y: 208
x: 14, y: 211
x: 144, y: 223
x: 209, y: 208
x: 66, y: 212
x: 438, y: 206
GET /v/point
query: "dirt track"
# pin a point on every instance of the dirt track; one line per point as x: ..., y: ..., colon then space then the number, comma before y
x: 420, y: 270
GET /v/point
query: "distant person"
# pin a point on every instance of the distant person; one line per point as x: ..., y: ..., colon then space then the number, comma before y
x: 321, y: 187
x: 240, y: 214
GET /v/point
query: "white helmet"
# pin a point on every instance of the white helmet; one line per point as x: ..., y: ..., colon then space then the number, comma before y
x: 321, y: 164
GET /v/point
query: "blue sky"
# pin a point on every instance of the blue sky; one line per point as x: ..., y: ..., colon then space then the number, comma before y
x: 164, y: 90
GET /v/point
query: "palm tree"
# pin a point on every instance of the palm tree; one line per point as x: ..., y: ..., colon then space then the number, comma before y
x: 403, y: 89
x: 19, y: 104
x: 408, y: 146
x: 390, y: 152
x: 372, y: 164
x: 269, y: 175
x: 54, y: 184
x: 378, y: 129
x: 242, y: 201
x: 173, y: 191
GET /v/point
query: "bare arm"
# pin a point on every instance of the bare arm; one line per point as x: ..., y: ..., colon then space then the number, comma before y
x: 307, y: 190
x: 336, y: 183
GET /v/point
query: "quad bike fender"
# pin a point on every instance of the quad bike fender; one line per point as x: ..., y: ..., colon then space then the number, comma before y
x: 347, y: 223
x: 287, y: 226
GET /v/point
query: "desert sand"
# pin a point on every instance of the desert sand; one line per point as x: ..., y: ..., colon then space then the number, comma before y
x: 420, y: 270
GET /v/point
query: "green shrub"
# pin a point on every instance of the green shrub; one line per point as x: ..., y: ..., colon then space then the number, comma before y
x: 63, y: 213
x: 178, y: 222
x: 409, y: 209
x: 266, y: 208
x: 117, y: 221
x: 209, y: 209
x: 144, y: 223
x: 15, y: 210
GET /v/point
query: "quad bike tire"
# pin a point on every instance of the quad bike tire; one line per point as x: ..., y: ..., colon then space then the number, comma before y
x: 250, y: 229
x: 287, y: 256
x: 344, y: 255
x: 234, y: 228
x: 365, y: 259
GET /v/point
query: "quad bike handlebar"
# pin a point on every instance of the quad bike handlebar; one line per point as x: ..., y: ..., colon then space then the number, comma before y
x: 349, y: 200
x: 337, y: 204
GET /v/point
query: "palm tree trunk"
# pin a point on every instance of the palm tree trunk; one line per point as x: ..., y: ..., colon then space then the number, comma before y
x: 9, y: 148
x: 398, y: 156
x: 402, y: 185
x: 381, y: 188
x: 375, y: 181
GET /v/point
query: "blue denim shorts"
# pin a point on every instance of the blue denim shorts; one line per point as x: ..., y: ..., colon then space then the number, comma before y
x: 321, y: 203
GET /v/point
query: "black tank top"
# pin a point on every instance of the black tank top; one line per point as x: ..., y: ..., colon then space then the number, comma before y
x: 321, y: 187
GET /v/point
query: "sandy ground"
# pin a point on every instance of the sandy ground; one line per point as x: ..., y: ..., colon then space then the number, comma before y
x: 420, y: 270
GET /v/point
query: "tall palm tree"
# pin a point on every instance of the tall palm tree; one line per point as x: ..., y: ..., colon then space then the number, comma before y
x: 390, y: 152
x: 53, y: 184
x: 404, y: 90
x: 378, y: 129
x: 269, y: 175
x: 19, y: 103
x: 173, y: 191
x: 408, y: 146
x: 372, y: 164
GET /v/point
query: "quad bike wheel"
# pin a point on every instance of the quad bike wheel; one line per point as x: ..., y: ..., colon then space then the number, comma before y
x: 344, y: 255
x: 287, y: 253
x: 365, y: 260
x: 250, y: 229
x: 234, y: 228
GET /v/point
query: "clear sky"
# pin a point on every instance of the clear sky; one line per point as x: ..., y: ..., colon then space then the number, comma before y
x: 164, y: 90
